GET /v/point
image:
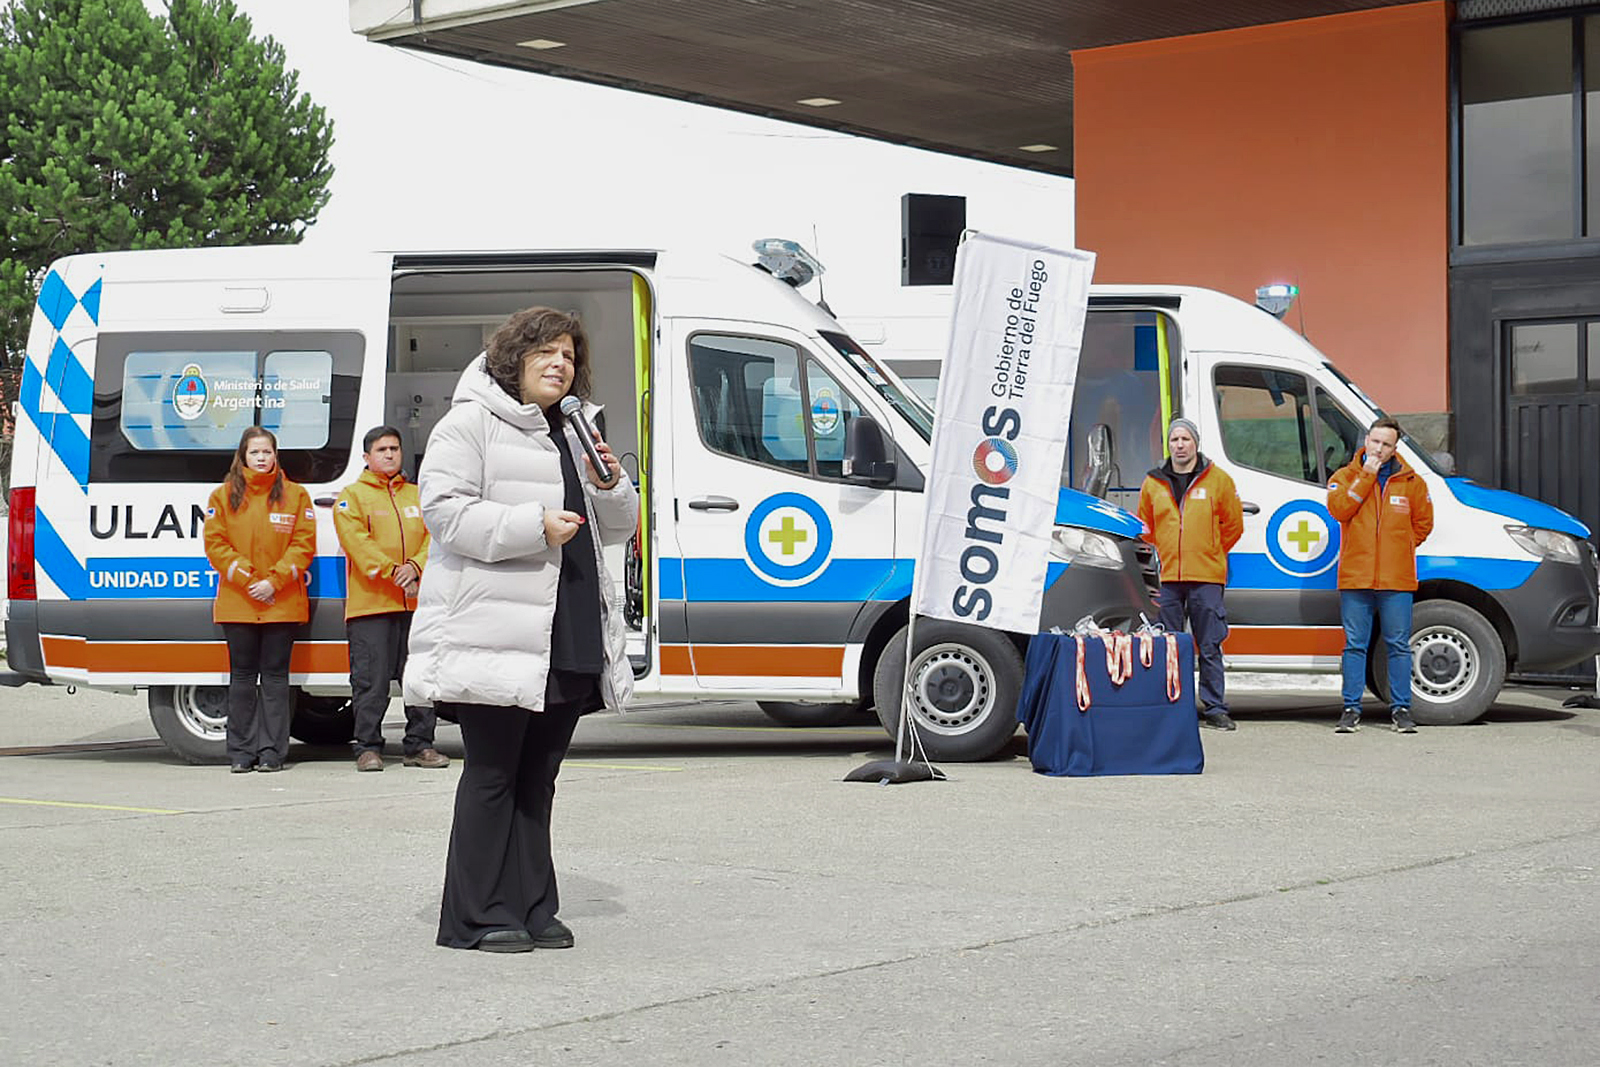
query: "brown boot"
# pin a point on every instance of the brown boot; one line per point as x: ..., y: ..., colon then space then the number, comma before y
x: 428, y: 757
x: 369, y: 761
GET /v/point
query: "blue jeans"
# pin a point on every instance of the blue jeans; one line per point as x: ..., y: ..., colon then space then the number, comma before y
x: 1392, y: 607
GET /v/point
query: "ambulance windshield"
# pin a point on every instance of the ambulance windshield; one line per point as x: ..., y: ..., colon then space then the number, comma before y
x: 910, y: 406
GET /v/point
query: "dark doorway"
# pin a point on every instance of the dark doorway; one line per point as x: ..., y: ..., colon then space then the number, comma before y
x: 1551, y: 369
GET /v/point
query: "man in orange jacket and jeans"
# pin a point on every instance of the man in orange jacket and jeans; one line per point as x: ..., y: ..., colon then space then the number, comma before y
x: 1384, y: 512
x: 1192, y: 515
x: 379, y: 523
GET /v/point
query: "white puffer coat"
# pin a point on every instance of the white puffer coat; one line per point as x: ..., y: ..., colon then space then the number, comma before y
x: 481, y: 633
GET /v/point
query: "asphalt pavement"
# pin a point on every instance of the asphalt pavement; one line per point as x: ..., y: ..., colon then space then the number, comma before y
x: 1311, y: 898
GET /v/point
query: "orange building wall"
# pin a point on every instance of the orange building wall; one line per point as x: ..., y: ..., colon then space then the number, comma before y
x: 1312, y: 152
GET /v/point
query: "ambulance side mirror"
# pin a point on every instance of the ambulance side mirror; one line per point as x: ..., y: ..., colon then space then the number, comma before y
x: 866, y: 453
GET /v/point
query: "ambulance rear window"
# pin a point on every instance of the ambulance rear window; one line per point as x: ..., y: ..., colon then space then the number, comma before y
x: 172, y: 407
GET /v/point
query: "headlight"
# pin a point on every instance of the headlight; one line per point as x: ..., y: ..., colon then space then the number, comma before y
x: 1546, y: 544
x: 1074, y: 544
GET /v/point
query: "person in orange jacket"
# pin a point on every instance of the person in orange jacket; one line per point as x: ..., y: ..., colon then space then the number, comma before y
x: 379, y: 522
x: 1191, y: 513
x: 1384, y: 513
x: 260, y: 535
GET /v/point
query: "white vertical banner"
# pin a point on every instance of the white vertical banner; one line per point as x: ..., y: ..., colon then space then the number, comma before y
x: 1000, y: 431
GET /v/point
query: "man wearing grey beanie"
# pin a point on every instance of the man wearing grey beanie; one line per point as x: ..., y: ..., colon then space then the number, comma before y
x: 1192, y: 515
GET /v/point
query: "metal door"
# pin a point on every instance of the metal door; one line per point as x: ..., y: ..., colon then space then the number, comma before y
x: 1551, y: 368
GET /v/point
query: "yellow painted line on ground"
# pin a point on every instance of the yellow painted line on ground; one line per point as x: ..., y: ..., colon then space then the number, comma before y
x: 791, y: 731
x: 617, y: 766
x: 92, y: 807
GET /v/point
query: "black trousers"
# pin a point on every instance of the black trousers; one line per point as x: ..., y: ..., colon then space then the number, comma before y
x: 499, y: 874
x: 258, y: 652
x: 377, y: 657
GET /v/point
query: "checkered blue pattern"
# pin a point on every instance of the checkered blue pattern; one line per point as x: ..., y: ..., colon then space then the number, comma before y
x: 57, y: 392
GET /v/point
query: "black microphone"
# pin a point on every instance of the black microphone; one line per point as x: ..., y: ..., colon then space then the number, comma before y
x: 572, y: 408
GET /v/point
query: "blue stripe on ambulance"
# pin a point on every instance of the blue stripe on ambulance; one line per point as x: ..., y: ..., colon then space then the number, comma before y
x: 187, y: 578
x: 1254, y: 570
x: 841, y: 580
x: 735, y: 582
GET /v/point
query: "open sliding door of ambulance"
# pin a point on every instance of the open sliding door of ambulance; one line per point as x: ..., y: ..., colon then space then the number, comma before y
x: 156, y: 364
x: 443, y: 311
x: 1128, y: 379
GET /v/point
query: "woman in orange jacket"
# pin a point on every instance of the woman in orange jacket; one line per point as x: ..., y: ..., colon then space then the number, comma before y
x: 260, y: 535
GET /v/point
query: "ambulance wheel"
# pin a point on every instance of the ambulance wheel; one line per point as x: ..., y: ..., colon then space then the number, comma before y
x: 322, y: 720
x: 192, y: 720
x: 789, y: 713
x: 1458, y: 664
x: 964, y: 686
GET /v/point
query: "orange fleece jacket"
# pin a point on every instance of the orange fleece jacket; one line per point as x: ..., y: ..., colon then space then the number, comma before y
x: 1380, y: 529
x: 379, y: 523
x: 1192, y: 536
x: 261, y: 540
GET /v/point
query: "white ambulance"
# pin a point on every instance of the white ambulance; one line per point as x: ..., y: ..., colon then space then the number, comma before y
x: 1507, y: 583
x: 780, y: 469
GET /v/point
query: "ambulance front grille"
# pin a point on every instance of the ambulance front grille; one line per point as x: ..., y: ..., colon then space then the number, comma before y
x: 1148, y: 567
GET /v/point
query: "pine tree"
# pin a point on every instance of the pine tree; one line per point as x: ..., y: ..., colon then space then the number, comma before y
x: 120, y: 129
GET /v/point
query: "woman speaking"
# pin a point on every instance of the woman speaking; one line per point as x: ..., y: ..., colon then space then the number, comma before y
x: 517, y: 632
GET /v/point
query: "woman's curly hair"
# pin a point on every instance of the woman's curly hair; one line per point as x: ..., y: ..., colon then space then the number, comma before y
x: 533, y: 328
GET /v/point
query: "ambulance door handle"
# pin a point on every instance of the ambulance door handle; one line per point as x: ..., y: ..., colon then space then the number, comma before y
x: 323, y: 501
x: 1249, y: 508
x: 713, y: 503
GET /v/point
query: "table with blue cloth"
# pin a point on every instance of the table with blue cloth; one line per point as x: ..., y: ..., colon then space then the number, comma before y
x: 1132, y: 728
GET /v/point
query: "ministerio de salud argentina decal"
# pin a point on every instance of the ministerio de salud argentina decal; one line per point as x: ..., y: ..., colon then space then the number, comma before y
x: 788, y: 539
x: 189, y: 394
x: 1302, y: 539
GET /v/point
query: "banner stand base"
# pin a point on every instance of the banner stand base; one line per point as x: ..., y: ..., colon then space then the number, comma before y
x: 1587, y: 700
x: 895, y: 772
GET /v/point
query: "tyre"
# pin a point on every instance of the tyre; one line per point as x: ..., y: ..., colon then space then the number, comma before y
x: 964, y: 686
x: 192, y: 720
x: 792, y: 714
x: 1458, y: 664
x: 322, y: 720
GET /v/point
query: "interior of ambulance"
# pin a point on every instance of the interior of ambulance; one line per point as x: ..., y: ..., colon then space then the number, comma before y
x: 441, y: 316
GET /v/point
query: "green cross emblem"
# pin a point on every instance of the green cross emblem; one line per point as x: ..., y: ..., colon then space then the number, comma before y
x: 1304, y: 537
x: 787, y: 535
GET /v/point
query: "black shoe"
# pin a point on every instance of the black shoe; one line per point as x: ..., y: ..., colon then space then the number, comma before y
x: 1218, y: 720
x: 1349, y: 721
x: 505, y: 941
x: 557, y: 935
x: 268, y: 767
x: 1403, y: 722
x: 242, y: 768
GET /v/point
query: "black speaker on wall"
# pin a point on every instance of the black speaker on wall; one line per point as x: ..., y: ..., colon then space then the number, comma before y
x: 930, y: 227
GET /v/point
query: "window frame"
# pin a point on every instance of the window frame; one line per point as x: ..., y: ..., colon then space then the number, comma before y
x: 1314, y: 390
x: 1587, y: 369
x: 114, y: 459
x: 1585, y: 231
x: 804, y: 355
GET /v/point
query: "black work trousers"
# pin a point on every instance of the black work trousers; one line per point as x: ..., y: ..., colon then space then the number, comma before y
x: 499, y: 874
x: 378, y: 657
x: 258, y: 654
x: 1201, y: 603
